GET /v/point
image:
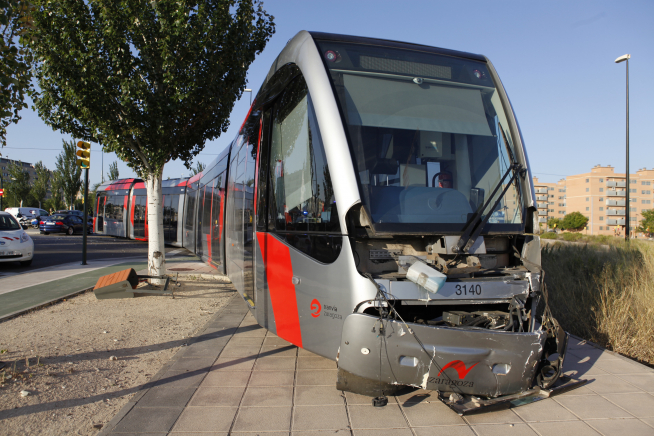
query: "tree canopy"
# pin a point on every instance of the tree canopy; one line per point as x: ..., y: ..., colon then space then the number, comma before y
x: 68, y: 174
x: 647, y: 223
x: 554, y: 223
x: 15, y: 22
x: 574, y: 221
x: 17, y: 185
x: 150, y: 81
x: 198, y: 168
x: 41, y: 183
x: 113, y: 173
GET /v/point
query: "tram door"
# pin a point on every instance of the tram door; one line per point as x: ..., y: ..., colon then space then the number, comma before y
x: 100, y: 214
x: 248, y: 218
x: 240, y: 213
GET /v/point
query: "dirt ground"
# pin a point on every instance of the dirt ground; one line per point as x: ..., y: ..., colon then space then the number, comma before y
x: 71, y: 366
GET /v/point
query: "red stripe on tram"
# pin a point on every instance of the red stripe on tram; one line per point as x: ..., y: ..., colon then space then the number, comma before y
x: 279, y: 274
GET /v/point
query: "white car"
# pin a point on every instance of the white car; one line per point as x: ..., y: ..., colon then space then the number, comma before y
x: 15, y: 244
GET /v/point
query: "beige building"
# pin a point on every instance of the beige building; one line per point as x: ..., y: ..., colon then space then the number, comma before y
x: 600, y: 196
x: 550, y: 199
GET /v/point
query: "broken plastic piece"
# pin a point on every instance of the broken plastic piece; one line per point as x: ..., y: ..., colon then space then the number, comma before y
x: 427, y: 277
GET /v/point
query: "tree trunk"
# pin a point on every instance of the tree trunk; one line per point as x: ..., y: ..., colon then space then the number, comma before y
x: 156, y: 251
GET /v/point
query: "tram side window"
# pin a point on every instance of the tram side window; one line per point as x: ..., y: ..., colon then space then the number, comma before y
x: 119, y: 208
x: 206, y: 208
x: 174, y: 204
x: 109, y: 207
x: 301, y: 197
x: 215, y: 215
x: 190, y: 208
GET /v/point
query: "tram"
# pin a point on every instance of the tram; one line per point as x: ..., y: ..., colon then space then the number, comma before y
x: 376, y: 208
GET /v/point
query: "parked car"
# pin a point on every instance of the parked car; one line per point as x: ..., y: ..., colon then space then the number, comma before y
x: 26, y: 215
x: 23, y: 212
x: 15, y: 244
x: 79, y: 213
x: 58, y: 223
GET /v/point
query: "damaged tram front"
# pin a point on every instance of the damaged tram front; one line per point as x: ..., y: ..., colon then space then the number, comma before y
x: 427, y: 273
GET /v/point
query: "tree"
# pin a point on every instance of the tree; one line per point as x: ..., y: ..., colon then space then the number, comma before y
x: 149, y: 80
x: 554, y: 223
x: 113, y: 171
x: 574, y: 221
x: 68, y: 174
x: 41, y: 183
x: 15, y: 21
x: 198, y: 168
x: 647, y: 223
x: 18, y: 184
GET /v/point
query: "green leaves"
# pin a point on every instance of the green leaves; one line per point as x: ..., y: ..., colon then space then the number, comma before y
x: 574, y: 221
x: 15, y: 76
x: 151, y: 81
x: 18, y: 183
x: 68, y: 176
x: 41, y: 183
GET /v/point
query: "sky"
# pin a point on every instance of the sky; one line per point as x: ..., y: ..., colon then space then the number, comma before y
x: 555, y: 59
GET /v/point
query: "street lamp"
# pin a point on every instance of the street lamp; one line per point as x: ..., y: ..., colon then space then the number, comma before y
x: 250, y: 91
x: 617, y: 61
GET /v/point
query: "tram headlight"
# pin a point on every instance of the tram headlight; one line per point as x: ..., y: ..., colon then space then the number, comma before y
x: 332, y: 56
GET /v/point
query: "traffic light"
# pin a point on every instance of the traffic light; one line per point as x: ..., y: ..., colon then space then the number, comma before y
x: 84, y: 153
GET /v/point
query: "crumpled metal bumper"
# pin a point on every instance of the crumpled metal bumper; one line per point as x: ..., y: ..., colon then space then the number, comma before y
x: 465, y: 361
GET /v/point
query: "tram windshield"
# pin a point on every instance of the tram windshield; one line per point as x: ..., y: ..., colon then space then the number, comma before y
x: 429, y: 136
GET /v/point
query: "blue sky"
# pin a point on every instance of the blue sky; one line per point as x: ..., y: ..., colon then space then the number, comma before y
x: 555, y: 58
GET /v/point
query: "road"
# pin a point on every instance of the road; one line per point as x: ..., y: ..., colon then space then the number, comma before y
x: 57, y: 249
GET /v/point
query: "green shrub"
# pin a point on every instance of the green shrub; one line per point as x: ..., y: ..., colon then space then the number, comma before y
x: 549, y: 235
x: 572, y: 237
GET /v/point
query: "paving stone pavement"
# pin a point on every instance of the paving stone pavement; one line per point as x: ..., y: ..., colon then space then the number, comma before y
x: 235, y: 378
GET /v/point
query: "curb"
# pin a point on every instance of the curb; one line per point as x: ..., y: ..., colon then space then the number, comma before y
x: 42, y: 305
x: 213, y: 277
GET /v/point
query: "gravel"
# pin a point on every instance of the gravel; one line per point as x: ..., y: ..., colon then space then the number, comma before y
x: 71, y: 366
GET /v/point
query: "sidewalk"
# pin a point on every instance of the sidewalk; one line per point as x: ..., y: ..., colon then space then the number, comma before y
x: 236, y: 378
x: 24, y: 291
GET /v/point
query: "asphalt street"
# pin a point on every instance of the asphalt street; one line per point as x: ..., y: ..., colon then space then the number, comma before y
x: 57, y: 249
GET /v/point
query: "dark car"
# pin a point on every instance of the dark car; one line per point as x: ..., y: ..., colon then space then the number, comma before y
x: 78, y: 213
x: 58, y: 223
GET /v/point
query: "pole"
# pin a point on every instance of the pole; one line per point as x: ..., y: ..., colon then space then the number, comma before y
x: 85, y: 219
x: 628, y: 224
x: 3, y: 194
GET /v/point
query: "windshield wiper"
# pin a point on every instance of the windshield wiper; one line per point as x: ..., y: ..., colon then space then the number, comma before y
x: 475, y: 224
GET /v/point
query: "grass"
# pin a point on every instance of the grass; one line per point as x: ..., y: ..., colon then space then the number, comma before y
x: 605, y: 295
x: 580, y: 237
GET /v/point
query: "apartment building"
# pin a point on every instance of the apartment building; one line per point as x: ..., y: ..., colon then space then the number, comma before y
x: 550, y: 200
x: 31, y: 170
x: 600, y: 195
x: 4, y: 168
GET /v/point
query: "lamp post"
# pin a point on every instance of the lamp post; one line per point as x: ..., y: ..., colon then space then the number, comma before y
x: 250, y: 91
x: 627, y: 224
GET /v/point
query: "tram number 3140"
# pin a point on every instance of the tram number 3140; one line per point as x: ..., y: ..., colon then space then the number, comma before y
x: 468, y: 289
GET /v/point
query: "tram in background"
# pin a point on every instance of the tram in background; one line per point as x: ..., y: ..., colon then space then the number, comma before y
x: 121, y: 209
x: 360, y: 161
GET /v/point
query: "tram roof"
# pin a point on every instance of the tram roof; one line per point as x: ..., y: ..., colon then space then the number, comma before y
x: 114, y: 185
x: 395, y: 44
